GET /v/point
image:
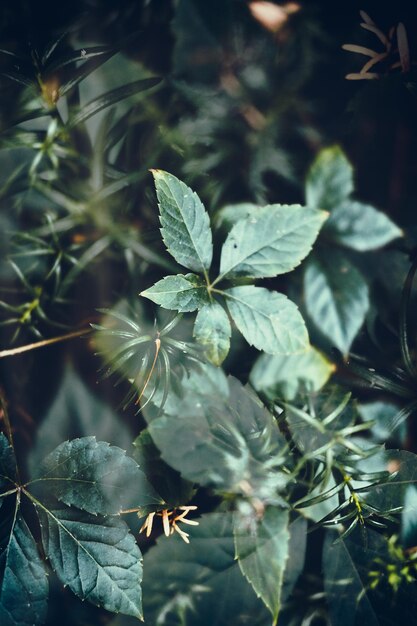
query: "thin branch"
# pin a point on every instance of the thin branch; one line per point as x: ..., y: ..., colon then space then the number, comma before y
x: 41, y: 344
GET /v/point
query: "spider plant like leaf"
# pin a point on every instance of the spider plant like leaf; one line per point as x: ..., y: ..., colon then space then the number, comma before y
x: 110, y: 98
x: 82, y: 72
x: 75, y: 56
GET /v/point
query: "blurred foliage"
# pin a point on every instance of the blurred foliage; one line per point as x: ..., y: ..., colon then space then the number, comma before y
x: 298, y: 501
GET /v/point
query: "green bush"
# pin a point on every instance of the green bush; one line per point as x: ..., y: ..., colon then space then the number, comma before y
x: 208, y: 379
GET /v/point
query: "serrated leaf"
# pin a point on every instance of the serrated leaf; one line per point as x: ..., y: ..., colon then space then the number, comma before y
x: 8, y: 474
x: 360, y: 226
x: 262, y: 552
x: 272, y: 242
x: 330, y: 179
x: 232, y: 443
x: 110, y: 98
x: 185, y: 223
x: 336, y: 297
x: 102, y: 563
x: 267, y: 320
x: 76, y: 412
x: 94, y: 477
x: 200, y: 584
x: 287, y: 376
x: 183, y: 293
x: 23, y: 580
x: 213, y: 331
x: 230, y: 214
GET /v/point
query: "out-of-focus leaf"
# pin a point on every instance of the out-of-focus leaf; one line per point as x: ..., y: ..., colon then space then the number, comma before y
x: 95, y: 477
x: 110, y: 98
x: 183, y: 293
x: 262, y: 552
x: 231, y: 444
x: 409, y: 518
x: 206, y: 380
x: 185, y: 223
x: 308, y: 432
x: 75, y: 56
x: 383, y: 414
x: 168, y: 483
x: 297, y: 552
x: 200, y: 584
x: 391, y: 493
x: 23, y: 579
x: 336, y: 297
x: 212, y: 330
x: 330, y: 179
x: 287, y: 376
x: 76, y: 412
x: 360, y: 227
x: 272, y: 242
x: 102, y: 563
x: 346, y: 565
x: 267, y: 320
x: 80, y: 73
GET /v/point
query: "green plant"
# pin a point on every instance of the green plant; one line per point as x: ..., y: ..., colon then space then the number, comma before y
x: 212, y: 423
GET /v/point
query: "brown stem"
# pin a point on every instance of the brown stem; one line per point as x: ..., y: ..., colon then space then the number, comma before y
x: 41, y: 344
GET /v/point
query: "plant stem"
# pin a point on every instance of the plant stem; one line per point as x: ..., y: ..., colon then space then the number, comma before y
x: 41, y: 344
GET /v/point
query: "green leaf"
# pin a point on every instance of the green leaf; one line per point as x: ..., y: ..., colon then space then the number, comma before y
x: 200, y: 584
x: 392, y: 493
x: 8, y: 473
x: 183, y: 293
x: 297, y: 554
x: 110, y: 98
x: 95, y: 477
x: 267, y: 320
x: 23, y: 580
x: 346, y: 564
x: 76, y: 412
x: 287, y: 376
x: 336, y: 297
x: 212, y: 330
x: 80, y: 73
x: 173, y: 489
x: 409, y: 518
x: 330, y: 179
x: 95, y: 556
x: 232, y: 444
x: 360, y: 227
x: 185, y: 223
x: 75, y: 56
x: 262, y: 552
x: 230, y: 214
x: 383, y: 415
x: 307, y: 428
x: 272, y: 242
x: 202, y: 380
